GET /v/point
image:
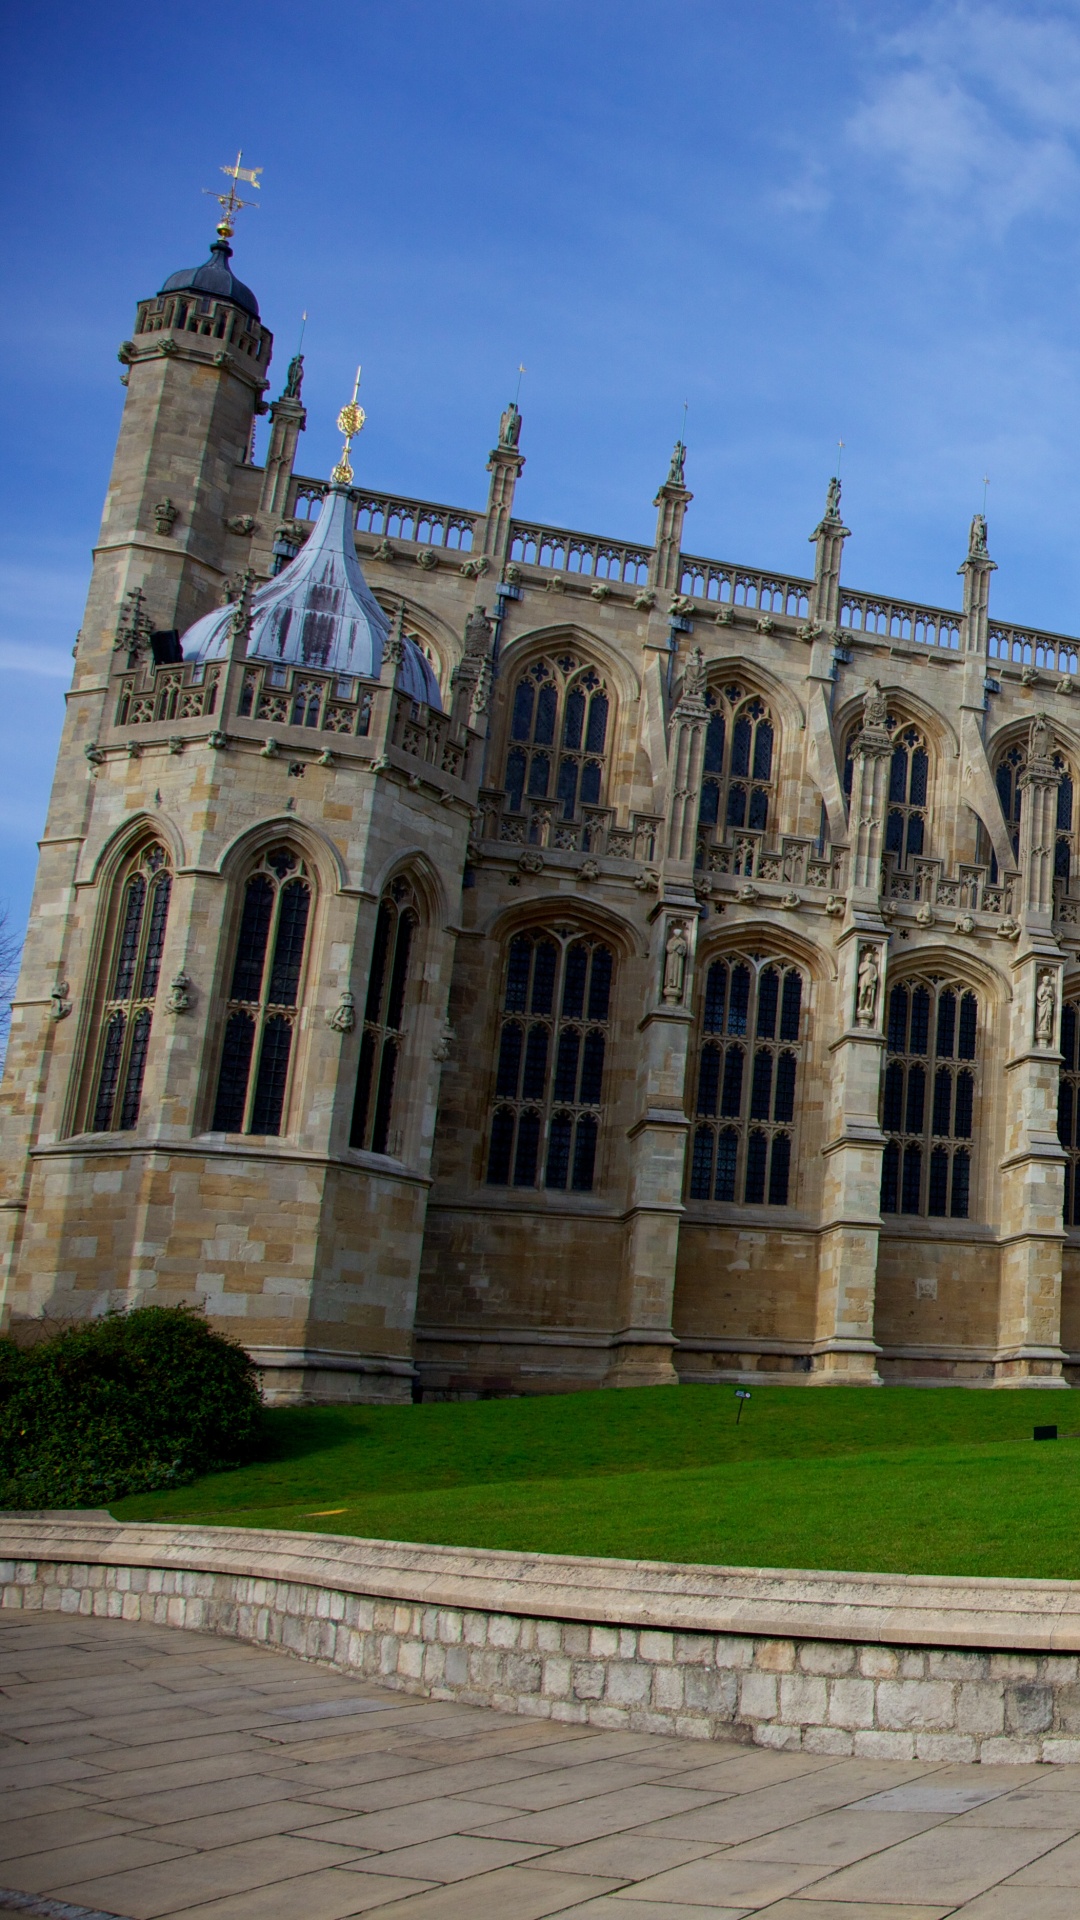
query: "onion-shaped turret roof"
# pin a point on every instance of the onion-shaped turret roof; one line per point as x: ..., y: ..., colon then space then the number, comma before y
x: 319, y: 612
x: 216, y: 279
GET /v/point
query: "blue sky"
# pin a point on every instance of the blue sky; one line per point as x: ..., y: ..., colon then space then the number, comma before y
x: 810, y: 219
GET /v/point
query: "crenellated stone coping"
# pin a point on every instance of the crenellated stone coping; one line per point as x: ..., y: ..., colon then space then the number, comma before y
x: 877, y: 1665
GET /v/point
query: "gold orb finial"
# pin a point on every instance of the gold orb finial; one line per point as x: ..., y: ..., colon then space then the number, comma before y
x: 350, y: 422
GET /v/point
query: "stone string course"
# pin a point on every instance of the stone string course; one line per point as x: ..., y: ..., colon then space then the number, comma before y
x: 823, y: 1696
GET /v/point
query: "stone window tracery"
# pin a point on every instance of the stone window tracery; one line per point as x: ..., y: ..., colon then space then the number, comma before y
x: 1011, y: 794
x: 750, y: 1045
x: 263, y: 1004
x: 549, y: 1083
x: 307, y: 701
x: 908, y: 790
x: 131, y: 975
x: 737, y: 783
x: 559, y: 720
x: 1068, y: 1118
x: 383, y: 1034
x: 928, y: 1098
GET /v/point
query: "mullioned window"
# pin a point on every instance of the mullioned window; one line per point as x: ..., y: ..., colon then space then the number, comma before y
x: 928, y: 1098
x: 1068, y: 1118
x: 383, y: 1036
x: 737, y: 784
x: 1011, y: 794
x: 559, y: 721
x: 131, y: 975
x: 749, y: 1052
x: 262, y: 1010
x: 907, y: 798
x: 549, y: 1081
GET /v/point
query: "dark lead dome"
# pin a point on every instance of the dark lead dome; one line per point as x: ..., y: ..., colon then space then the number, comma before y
x: 216, y: 279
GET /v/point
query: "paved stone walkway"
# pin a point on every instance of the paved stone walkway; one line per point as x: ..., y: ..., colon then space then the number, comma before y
x: 148, y: 1772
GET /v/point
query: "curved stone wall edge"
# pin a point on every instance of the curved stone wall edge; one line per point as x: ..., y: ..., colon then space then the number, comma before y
x: 881, y: 1666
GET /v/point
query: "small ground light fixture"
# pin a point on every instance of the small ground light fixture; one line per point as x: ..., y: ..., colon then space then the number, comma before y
x: 742, y: 1394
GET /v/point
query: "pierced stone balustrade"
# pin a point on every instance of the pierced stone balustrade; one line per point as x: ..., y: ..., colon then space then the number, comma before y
x: 731, y: 586
x: 1023, y: 647
x: 901, y: 620
x: 287, y: 696
x: 429, y: 737
x: 796, y: 862
x: 560, y: 551
x: 182, y: 692
x: 593, y: 832
x: 423, y: 523
x: 922, y: 883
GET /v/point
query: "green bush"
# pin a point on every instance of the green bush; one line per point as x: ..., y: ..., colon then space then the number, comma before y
x: 129, y: 1403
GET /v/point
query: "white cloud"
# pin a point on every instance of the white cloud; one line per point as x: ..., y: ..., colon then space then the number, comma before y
x: 977, y: 106
x: 807, y: 193
x: 41, y: 600
x: 50, y: 663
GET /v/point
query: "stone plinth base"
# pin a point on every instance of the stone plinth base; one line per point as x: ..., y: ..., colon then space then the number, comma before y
x: 844, y: 1367
x: 316, y: 1377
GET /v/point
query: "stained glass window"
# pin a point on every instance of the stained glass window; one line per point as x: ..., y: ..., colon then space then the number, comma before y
x: 749, y: 1048
x: 928, y: 1098
x: 263, y: 1006
x: 738, y: 773
x: 549, y: 1069
x: 383, y: 1035
x: 1068, y: 1122
x: 559, y: 722
x: 131, y: 972
x: 908, y: 792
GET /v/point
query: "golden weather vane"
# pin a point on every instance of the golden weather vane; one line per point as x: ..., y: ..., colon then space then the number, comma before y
x: 350, y: 420
x: 231, y: 203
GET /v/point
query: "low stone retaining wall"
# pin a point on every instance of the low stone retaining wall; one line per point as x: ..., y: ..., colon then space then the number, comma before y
x: 879, y: 1666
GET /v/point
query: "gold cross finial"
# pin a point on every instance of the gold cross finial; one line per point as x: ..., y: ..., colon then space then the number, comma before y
x: 230, y: 202
x: 350, y: 420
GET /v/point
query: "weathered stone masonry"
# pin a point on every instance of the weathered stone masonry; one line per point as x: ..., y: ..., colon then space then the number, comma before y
x: 685, y: 980
x: 822, y: 1695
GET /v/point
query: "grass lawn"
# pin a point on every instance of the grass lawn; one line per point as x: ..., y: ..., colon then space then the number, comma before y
x: 892, y: 1480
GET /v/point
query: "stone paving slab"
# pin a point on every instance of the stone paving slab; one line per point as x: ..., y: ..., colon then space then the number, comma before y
x: 149, y: 1773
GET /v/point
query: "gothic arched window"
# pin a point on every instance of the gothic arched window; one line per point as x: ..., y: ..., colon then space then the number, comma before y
x: 307, y: 699
x: 1011, y: 794
x: 750, y: 1044
x: 1068, y: 1119
x: 737, y: 784
x: 131, y: 976
x: 262, y: 1008
x: 558, y: 736
x: 549, y: 1081
x: 384, y: 1018
x: 1063, y: 843
x: 908, y: 790
x: 909, y: 769
x: 928, y: 1103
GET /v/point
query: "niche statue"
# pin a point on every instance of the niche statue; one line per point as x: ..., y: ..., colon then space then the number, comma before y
x: 866, y: 988
x: 1045, y: 1009
x: 676, y: 954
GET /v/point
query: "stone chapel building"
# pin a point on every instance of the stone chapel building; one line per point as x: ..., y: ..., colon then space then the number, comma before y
x: 471, y: 956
